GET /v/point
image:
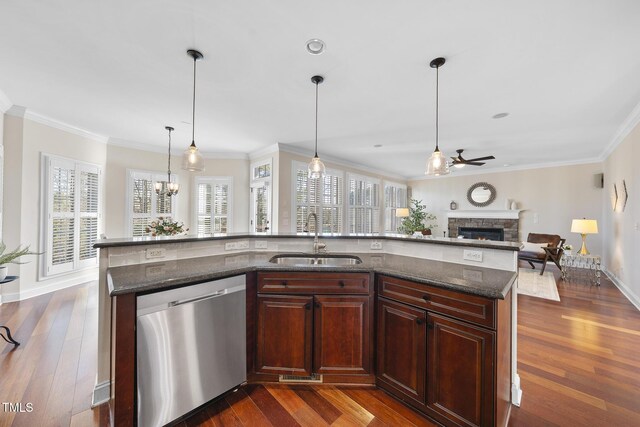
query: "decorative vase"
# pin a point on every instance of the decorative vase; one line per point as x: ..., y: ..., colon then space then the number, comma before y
x: 514, y: 205
x: 3, y: 272
x: 426, y: 232
x: 453, y: 205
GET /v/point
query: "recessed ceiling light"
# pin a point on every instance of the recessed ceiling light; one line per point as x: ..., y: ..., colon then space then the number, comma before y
x: 377, y: 145
x: 315, y: 46
x: 500, y: 115
x: 506, y: 164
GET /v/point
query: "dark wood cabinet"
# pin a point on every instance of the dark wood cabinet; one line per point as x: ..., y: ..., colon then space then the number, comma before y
x: 460, y: 364
x: 341, y: 334
x: 446, y: 353
x: 402, y: 351
x: 284, y: 334
x: 304, y: 329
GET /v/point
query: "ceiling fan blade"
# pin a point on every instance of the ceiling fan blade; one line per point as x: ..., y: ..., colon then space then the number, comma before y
x: 481, y: 158
x: 474, y: 163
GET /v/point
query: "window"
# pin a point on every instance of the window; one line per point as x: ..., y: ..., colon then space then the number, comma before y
x: 322, y: 196
x: 72, y: 213
x: 260, y: 221
x: 144, y: 204
x: 213, y: 204
x: 364, y: 207
x: 395, y: 196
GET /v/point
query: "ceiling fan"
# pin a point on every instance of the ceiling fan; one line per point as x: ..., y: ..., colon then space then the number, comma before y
x: 461, y: 161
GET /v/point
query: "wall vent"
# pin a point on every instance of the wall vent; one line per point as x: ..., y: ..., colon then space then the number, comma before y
x: 313, y: 378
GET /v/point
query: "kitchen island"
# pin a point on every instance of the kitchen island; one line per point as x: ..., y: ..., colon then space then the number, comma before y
x: 425, y: 289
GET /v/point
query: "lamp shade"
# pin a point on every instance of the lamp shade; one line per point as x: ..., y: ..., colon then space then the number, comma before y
x: 402, y: 212
x: 584, y: 226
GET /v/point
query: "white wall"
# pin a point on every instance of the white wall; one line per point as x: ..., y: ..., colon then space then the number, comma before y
x: 25, y: 141
x: 621, y: 229
x: 554, y: 195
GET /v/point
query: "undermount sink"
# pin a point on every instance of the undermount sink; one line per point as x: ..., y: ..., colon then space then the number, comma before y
x: 315, y: 259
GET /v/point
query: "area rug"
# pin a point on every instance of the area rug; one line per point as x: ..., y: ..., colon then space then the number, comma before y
x: 530, y: 282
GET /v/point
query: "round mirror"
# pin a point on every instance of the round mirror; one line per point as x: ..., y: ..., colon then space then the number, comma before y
x: 481, y: 194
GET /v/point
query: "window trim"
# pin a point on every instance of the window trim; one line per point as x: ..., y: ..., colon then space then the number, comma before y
x: 46, y: 270
x: 258, y: 183
x: 129, y: 215
x: 194, y: 199
x: 348, y: 205
x: 385, y: 184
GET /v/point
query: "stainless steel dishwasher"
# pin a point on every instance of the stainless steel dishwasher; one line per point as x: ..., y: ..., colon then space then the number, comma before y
x: 191, y: 347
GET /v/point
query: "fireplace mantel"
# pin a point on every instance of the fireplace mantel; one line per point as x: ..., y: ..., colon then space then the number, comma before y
x: 495, y: 214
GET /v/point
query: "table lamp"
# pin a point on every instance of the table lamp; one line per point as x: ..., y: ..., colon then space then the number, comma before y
x: 402, y: 212
x: 584, y: 227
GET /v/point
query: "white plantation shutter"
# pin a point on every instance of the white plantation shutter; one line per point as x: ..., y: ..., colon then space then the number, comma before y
x: 72, y: 213
x: 145, y: 204
x: 322, y: 196
x: 395, y: 196
x: 213, y: 204
x: 364, y: 209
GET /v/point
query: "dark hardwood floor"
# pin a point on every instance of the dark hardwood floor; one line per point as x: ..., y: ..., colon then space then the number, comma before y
x: 579, y: 362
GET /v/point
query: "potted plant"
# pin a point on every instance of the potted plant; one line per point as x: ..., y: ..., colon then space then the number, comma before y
x: 11, y: 258
x: 418, y: 219
x: 567, y: 249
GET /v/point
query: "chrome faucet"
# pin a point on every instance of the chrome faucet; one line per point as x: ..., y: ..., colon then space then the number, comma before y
x: 317, y: 246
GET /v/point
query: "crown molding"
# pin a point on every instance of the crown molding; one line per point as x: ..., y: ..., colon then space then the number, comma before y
x: 16, y: 111
x: 22, y: 112
x: 470, y: 172
x: 5, y: 103
x: 118, y: 142
x: 265, y: 151
x: 288, y: 148
x: 632, y: 120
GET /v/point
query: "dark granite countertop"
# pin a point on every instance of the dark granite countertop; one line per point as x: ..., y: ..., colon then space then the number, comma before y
x: 140, y: 241
x: 487, y: 282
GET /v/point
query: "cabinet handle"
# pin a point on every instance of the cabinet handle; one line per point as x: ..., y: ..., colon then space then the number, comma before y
x: 429, y: 325
x: 307, y: 306
x: 317, y: 305
x: 419, y: 321
x: 341, y: 284
x: 284, y: 283
x: 426, y: 297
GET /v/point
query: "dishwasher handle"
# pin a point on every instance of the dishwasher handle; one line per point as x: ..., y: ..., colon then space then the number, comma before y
x: 200, y: 298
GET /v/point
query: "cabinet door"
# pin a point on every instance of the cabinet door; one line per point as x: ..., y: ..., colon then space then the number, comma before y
x: 341, y: 335
x: 460, y: 372
x: 402, y: 346
x: 284, y: 334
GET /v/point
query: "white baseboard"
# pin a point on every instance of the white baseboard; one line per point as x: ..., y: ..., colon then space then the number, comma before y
x: 631, y: 296
x: 101, y: 393
x: 516, y: 391
x: 51, y: 286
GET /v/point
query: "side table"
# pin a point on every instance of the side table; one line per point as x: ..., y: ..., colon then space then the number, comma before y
x: 8, y: 338
x: 585, y: 267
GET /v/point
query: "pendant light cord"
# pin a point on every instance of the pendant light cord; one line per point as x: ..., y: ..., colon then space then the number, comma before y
x: 316, y: 149
x: 193, y: 106
x: 169, y: 161
x: 437, y: 104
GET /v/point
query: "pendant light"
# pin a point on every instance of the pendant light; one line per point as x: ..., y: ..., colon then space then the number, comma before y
x: 192, y: 159
x: 437, y: 163
x: 316, y: 168
x: 167, y: 188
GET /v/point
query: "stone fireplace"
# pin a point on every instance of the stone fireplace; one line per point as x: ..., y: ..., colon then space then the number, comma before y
x: 478, y: 222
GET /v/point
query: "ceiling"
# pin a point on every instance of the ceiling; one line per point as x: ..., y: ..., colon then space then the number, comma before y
x: 566, y: 72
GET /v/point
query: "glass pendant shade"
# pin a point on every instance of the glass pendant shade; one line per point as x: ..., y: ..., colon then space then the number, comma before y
x: 316, y: 168
x: 437, y: 164
x: 192, y: 160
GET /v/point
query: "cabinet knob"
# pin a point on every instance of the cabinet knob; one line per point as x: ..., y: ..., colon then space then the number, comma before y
x: 341, y: 284
x: 284, y: 283
x: 426, y: 297
x: 429, y: 325
x: 419, y: 321
x: 317, y: 305
x: 307, y: 306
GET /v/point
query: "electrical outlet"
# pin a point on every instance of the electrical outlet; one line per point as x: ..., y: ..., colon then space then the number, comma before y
x: 376, y: 244
x: 229, y: 246
x: 242, y: 244
x: 261, y: 244
x: 472, y: 255
x: 155, y: 253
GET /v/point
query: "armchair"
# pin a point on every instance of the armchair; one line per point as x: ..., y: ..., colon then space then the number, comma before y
x: 551, y: 252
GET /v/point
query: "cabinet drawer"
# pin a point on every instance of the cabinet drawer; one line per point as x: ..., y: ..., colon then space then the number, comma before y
x: 313, y: 283
x: 467, y: 307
